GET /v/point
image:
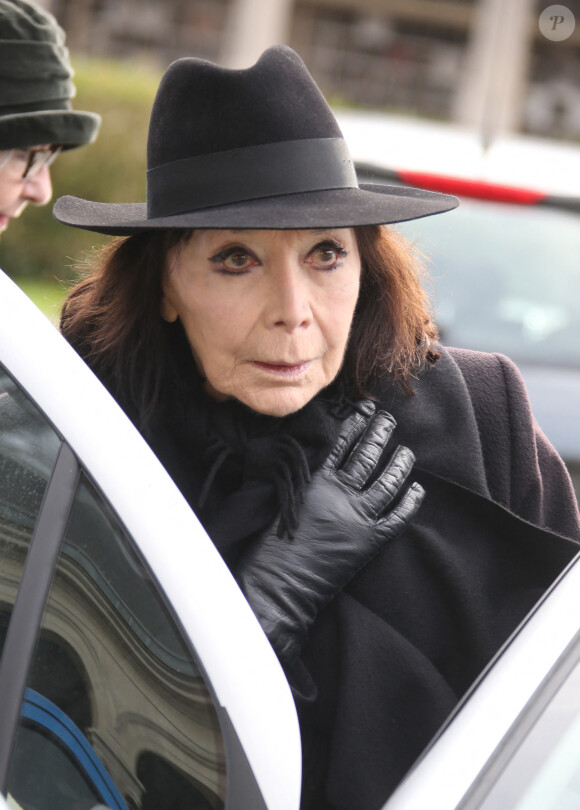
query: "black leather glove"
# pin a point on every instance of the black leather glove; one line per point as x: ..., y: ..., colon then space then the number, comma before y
x: 355, y: 503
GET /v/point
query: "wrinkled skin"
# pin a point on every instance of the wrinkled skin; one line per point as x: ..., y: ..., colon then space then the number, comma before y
x: 16, y: 194
x: 267, y: 313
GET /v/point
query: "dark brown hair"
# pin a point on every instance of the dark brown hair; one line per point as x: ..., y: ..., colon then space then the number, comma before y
x: 113, y: 316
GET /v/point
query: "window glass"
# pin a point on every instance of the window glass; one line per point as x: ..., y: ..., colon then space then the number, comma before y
x: 483, y: 299
x: 28, y: 449
x: 544, y: 771
x: 58, y: 780
x: 112, y: 658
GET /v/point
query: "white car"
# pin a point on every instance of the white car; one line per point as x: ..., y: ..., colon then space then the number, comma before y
x: 133, y: 673
x: 505, y: 265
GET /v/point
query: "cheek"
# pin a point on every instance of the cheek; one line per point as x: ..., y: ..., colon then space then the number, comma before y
x: 340, y: 312
x: 8, y: 195
x: 216, y: 333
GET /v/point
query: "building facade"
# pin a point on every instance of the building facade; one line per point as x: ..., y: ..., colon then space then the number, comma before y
x: 485, y: 63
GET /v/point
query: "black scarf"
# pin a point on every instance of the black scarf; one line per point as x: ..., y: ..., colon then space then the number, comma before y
x: 238, y: 469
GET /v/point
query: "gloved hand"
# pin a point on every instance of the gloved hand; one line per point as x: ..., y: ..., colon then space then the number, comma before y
x: 352, y: 507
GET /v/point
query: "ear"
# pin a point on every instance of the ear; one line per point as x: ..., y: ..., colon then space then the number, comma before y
x: 168, y: 311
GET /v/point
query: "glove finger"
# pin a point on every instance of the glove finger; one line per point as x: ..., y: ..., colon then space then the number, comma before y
x: 362, y: 463
x: 403, y: 513
x: 350, y: 431
x: 390, y: 482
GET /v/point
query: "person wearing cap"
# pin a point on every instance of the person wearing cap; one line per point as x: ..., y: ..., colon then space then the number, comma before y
x: 388, y: 505
x: 37, y: 121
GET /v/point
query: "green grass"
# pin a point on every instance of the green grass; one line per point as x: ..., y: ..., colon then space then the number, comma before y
x: 47, y: 295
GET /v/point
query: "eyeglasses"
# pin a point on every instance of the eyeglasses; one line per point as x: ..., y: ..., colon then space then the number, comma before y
x: 26, y: 164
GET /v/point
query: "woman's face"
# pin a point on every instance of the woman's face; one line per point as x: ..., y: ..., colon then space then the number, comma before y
x: 17, y: 191
x: 267, y: 313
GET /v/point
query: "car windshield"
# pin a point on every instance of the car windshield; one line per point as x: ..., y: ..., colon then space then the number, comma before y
x: 505, y: 278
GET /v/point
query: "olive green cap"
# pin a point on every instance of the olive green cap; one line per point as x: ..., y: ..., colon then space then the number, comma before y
x: 36, y: 85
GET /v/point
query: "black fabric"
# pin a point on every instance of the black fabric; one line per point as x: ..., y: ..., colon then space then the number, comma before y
x: 266, y: 170
x: 408, y: 637
x: 238, y: 469
x: 334, y: 208
x: 36, y: 85
x: 354, y: 505
x: 201, y: 112
x: 202, y: 108
x: 390, y: 656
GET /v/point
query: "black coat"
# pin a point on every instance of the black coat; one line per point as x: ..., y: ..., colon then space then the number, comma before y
x: 393, y: 653
x: 387, y: 660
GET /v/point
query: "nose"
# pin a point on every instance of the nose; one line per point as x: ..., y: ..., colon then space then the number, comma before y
x: 38, y: 189
x: 290, y: 298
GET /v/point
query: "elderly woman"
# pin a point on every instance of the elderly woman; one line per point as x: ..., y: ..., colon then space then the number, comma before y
x: 36, y: 117
x: 388, y: 506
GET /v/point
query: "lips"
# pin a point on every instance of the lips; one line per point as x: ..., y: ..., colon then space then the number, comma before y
x: 283, y: 369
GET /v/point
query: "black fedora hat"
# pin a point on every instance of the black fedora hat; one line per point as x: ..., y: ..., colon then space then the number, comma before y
x: 253, y: 148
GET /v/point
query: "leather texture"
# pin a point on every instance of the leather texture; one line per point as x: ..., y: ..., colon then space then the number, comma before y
x: 357, y: 502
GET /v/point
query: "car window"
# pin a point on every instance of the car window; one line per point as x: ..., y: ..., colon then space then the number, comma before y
x: 538, y: 767
x: 28, y: 451
x: 116, y: 710
x: 503, y: 279
x: 111, y: 658
x: 67, y: 773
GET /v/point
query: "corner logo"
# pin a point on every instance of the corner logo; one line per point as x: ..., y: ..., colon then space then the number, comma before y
x: 557, y: 23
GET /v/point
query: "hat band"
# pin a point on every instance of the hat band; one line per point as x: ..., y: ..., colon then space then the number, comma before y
x: 249, y: 173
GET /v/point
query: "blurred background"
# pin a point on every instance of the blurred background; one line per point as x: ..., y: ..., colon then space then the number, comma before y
x: 476, y: 97
x: 483, y: 64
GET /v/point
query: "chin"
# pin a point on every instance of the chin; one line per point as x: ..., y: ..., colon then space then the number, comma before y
x: 279, y: 403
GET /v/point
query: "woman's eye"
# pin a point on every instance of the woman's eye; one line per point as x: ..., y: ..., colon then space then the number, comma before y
x: 237, y: 260
x: 327, y: 255
x: 233, y: 261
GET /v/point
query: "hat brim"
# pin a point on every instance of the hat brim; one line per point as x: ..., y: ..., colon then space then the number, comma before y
x: 370, y: 204
x: 69, y: 128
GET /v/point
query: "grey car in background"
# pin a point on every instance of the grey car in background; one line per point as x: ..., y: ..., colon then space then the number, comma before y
x: 504, y: 267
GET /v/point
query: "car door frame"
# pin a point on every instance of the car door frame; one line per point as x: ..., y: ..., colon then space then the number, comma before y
x: 256, y: 708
